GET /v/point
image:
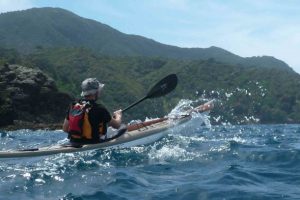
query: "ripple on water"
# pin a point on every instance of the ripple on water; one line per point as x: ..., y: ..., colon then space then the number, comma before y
x: 221, y: 162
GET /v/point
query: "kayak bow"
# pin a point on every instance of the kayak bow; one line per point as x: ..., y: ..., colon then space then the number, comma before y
x: 133, y: 135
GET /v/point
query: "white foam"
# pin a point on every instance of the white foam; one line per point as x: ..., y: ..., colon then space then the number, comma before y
x: 26, y: 175
x: 39, y: 180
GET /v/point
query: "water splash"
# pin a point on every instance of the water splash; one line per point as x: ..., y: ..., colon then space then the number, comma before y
x: 238, y: 105
x: 186, y: 106
x: 182, y: 108
x: 239, y: 157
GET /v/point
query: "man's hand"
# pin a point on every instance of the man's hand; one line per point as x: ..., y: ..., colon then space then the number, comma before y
x: 116, y: 120
x: 118, y: 114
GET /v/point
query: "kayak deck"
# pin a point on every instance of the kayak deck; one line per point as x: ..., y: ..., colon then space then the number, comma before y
x: 129, y: 136
x: 134, y: 134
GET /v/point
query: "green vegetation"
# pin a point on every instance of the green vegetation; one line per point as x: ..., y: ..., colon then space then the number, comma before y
x: 37, y: 28
x: 244, y: 94
x: 73, y: 48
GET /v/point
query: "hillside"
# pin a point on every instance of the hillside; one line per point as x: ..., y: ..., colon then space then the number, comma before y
x: 38, y: 28
x: 68, y: 48
x: 244, y: 95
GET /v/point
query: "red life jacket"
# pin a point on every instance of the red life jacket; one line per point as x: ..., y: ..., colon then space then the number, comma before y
x: 78, y: 120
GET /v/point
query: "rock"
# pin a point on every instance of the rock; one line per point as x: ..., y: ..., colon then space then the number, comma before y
x: 28, y: 95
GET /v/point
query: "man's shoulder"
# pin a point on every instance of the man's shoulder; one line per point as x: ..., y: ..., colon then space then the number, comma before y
x: 99, y: 105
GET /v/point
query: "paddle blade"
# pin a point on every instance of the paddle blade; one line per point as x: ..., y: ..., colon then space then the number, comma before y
x: 163, y: 87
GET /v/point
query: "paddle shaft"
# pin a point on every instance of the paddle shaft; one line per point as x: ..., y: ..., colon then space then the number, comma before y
x: 161, y: 88
x: 135, y: 103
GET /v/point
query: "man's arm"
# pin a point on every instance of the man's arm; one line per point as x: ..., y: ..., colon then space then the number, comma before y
x: 65, y: 125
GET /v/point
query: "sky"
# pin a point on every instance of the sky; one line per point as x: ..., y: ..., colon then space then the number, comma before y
x: 244, y: 27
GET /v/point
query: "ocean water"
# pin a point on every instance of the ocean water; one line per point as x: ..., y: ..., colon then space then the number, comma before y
x: 193, y: 161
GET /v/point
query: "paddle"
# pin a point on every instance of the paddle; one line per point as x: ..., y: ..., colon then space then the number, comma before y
x: 161, y: 88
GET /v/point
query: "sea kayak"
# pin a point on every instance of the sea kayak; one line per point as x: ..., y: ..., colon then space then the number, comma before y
x: 128, y: 136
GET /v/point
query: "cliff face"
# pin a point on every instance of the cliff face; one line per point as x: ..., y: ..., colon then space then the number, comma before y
x: 29, y: 95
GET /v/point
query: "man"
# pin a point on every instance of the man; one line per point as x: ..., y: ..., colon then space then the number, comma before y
x: 92, y: 117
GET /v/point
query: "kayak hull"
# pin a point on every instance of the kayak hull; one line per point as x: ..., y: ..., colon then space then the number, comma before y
x: 137, y: 134
x: 137, y: 137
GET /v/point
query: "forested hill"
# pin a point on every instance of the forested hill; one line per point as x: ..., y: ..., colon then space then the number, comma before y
x: 54, y: 27
x: 243, y: 94
x: 69, y: 48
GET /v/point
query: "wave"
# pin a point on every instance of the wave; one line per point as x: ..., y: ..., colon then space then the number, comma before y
x: 193, y: 161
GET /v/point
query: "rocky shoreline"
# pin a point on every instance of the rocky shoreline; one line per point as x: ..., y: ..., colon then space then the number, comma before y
x: 18, y: 125
x: 29, y: 99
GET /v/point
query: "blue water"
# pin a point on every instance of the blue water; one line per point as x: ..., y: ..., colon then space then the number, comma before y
x: 191, y: 162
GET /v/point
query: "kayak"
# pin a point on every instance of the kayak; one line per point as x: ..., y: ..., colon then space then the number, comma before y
x: 127, y: 136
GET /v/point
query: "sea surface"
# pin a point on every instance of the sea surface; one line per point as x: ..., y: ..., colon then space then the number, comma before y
x: 193, y: 161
